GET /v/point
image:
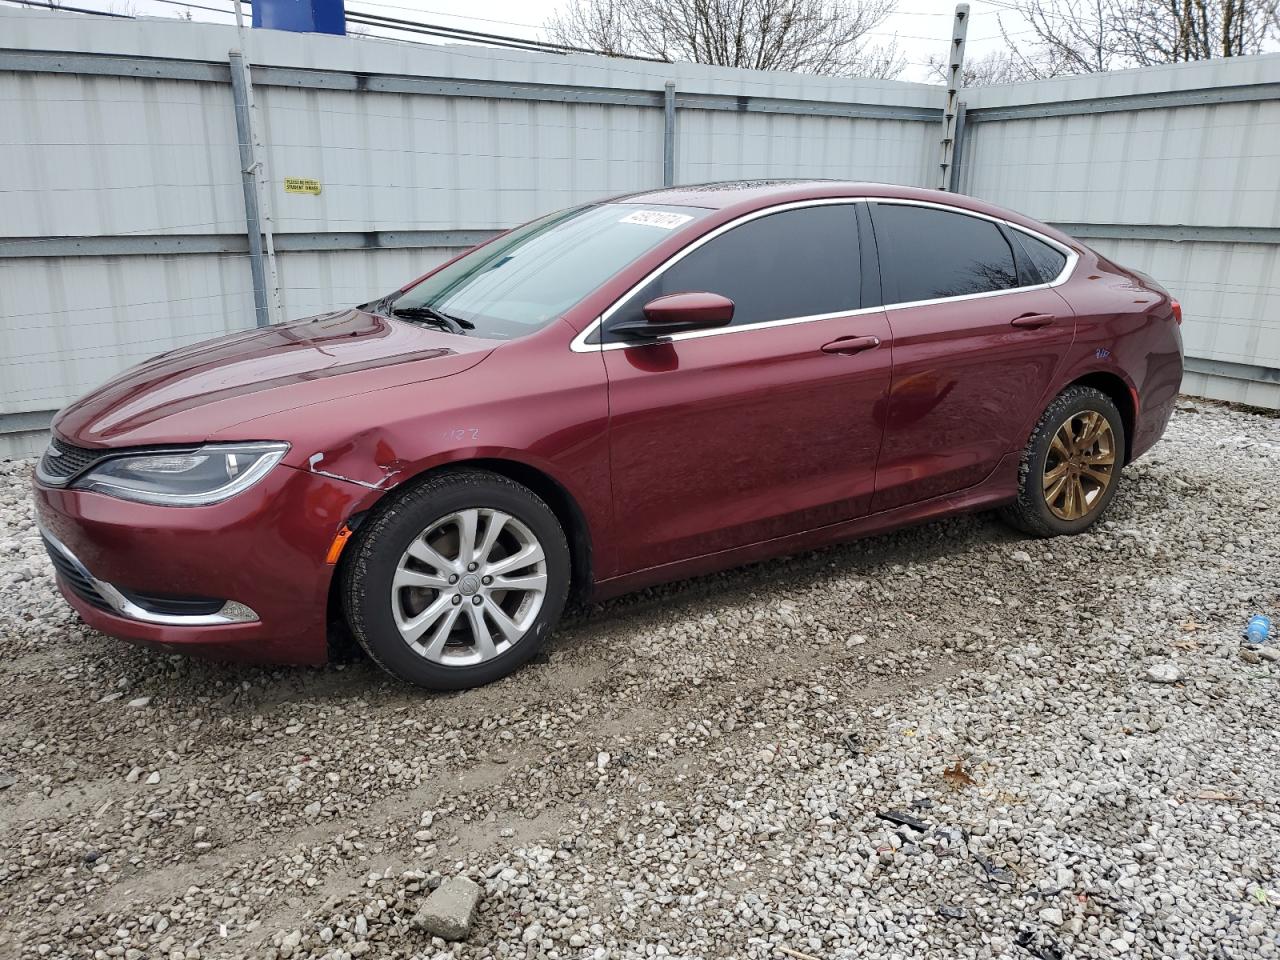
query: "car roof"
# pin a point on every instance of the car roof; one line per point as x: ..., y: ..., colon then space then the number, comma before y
x: 728, y: 193
x: 742, y: 196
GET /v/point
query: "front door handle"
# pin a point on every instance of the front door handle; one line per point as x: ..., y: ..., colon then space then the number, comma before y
x: 1033, y: 320
x: 848, y: 345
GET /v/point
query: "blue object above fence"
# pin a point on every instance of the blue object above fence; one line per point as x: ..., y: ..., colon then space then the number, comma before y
x: 301, y: 16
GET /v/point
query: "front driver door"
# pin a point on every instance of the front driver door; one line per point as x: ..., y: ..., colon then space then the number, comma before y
x: 733, y: 436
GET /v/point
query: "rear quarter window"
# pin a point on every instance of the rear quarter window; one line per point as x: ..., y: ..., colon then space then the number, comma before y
x: 1047, y: 260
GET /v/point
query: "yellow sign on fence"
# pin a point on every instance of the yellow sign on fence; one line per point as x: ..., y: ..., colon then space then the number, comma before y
x: 302, y: 185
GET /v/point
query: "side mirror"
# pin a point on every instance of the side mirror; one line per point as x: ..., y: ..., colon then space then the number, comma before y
x: 677, y: 313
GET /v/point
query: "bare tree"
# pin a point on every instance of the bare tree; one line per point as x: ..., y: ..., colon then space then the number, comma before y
x: 1072, y: 36
x: 1087, y: 36
x: 806, y: 36
x: 999, y: 67
x: 1170, y: 31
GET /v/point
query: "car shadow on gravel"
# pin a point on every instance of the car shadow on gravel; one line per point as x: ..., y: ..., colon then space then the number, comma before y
x: 866, y: 557
x: 573, y: 657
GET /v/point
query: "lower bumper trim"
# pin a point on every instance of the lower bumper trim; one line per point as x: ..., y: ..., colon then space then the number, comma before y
x: 110, y: 599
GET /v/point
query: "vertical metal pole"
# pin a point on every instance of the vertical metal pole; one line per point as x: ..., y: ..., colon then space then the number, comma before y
x: 274, y: 307
x: 669, y: 136
x: 249, y: 181
x: 955, y: 80
x: 957, y: 159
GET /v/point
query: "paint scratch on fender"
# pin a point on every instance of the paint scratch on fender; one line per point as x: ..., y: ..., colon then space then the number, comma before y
x: 316, y: 458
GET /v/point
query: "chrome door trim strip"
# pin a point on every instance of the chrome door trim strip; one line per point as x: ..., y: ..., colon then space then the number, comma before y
x: 579, y: 344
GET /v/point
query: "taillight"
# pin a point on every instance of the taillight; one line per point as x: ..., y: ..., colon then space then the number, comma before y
x: 1177, y: 312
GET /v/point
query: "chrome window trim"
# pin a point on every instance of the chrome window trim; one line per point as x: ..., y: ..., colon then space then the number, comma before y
x: 1069, y: 268
x: 579, y: 344
x: 231, y: 612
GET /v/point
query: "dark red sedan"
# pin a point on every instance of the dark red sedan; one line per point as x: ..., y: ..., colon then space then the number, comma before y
x: 619, y: 394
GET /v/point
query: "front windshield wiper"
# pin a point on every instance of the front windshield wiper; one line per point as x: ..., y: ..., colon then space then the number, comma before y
x: 425, y: 314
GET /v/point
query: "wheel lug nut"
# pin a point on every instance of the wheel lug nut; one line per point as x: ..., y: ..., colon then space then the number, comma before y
x: 453, y: 578
x: 472, y: 566
x: 477, y: 600
x: 457, y: 599
x: 486, y: 580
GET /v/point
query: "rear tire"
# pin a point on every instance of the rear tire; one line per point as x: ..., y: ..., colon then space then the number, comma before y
x: 457, y: 581
x: 1071, y: 467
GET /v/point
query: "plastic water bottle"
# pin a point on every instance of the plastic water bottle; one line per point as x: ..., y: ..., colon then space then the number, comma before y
x: 1257, y: 630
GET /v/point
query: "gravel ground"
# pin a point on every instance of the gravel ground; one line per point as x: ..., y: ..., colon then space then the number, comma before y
x: 700, y: 770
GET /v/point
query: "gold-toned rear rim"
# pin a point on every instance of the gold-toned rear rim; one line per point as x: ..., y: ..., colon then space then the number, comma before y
x: 1080, y: 465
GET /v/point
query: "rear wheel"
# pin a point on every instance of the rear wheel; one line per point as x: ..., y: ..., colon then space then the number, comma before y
x: 458, y: 581
x: 1071, y: 466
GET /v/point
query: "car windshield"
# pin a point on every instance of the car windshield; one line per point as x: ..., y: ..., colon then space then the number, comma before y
x: 521, y: 282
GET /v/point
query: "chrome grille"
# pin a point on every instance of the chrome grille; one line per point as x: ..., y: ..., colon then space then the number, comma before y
x: 63, y: 462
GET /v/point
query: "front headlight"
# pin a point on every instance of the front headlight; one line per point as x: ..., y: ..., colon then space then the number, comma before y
x: 192, y: 478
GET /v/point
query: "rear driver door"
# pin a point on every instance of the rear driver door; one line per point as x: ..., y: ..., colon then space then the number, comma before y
x: 733, y: 436
x: 979, y: 334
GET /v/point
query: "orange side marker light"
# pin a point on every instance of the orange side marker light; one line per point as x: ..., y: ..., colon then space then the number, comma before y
x: 339, y: 541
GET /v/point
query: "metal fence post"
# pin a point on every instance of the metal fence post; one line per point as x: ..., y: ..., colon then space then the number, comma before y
x: 955, y: 80
x: 669, y: 136
x: 957, y: 158
x: 249, y: 181
x: 275, y: 308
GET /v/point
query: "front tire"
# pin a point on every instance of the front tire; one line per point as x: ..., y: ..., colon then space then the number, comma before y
x: 457, y: 581
x: 1071, y: 467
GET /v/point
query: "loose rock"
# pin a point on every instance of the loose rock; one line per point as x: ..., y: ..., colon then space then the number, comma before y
x: 450, y: 909
x: 1162, y: 673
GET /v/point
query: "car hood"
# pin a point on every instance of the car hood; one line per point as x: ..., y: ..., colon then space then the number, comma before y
x: 202, y: 391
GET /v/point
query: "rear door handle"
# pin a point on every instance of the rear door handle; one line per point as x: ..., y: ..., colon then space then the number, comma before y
x: 851, y: 345
x: 1033, y: 320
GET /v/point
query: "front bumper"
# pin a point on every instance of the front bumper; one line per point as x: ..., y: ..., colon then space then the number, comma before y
x: 261, y: 554
x: 161, y: 611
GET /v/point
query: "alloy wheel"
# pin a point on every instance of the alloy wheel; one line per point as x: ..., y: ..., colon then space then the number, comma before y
x: 469, y: 587
x: 1080, y: 465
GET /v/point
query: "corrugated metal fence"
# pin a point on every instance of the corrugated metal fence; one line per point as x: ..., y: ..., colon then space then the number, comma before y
x: 1174, y: 171
x: 123, y: 228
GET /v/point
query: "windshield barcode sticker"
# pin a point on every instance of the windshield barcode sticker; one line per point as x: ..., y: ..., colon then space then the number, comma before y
x: 656, y: 218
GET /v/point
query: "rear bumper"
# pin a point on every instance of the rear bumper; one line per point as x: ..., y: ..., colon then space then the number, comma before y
x: 1158, y: 395
x: 1151, y: 426
x: 260, y: 555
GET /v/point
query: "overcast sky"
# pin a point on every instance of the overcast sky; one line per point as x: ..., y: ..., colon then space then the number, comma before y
x: 922, y: 27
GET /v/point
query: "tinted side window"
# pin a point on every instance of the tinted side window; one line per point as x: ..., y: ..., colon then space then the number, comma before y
x: 926, y: 254
x: 797, y: 263
x: 1048, y: 261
